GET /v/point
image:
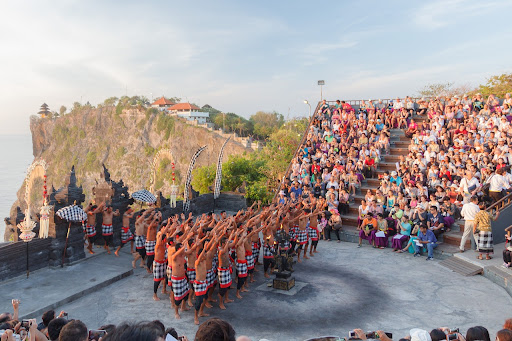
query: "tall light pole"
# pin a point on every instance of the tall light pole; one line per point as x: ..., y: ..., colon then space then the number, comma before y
x: 306, y: 102
x: 321, y: 83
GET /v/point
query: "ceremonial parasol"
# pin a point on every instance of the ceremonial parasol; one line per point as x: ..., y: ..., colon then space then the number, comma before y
x: 71, y: 213
x: 144, y: 196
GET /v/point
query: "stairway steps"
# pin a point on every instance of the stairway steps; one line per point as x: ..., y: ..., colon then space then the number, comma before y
x: 461, y: 266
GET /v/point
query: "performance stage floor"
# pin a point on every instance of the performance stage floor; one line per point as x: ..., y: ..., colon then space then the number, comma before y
x: 343, y: 288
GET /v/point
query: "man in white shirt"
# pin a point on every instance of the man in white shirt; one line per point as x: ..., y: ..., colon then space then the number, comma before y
x: 497, y: 184
x: 469, y: 186
x: 468, y: 212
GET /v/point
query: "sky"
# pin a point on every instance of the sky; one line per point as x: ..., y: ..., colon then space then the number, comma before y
x: 241, y: 56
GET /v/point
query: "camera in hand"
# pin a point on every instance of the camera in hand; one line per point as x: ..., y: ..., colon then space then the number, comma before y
x: 25, y: 324
x: 96, y: 334
x: 452, y: 336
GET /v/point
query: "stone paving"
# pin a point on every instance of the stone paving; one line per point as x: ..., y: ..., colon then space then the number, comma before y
x: 345, y: 288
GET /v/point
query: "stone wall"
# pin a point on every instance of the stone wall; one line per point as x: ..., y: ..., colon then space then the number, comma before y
x: 13, y: 257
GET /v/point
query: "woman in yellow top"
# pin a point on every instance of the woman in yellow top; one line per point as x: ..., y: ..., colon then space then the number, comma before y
x: 483, y: 226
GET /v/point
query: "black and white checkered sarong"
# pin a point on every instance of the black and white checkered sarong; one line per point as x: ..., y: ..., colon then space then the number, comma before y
x: 140, y: 242
x: 250, y: 261
x: 485, y: 242
x: 224, y: 277
x: 241, y: 267
x: 180, y: 287
x: 150, y: 247
x: 191, y: 274
x: 302, y: 236
x: 312, y: 233
x: 200, y: 287
x: 90, y: 231
x: 126, y: 235
x: 107, y: 229
x: 168, y: 272
x: 158, y: 270
x: 211, y: 278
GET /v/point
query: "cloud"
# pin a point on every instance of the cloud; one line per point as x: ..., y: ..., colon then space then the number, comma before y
x: 437, y: 14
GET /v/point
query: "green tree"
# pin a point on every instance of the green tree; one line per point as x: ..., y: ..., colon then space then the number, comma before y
x: 436, y: 89
x: 497, y: 85
x: 111, y: 101
x: 203, y: 177
x: 62, y: 110
x: 265, y: 123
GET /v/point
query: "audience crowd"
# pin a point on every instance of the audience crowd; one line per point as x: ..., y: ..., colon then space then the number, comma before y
x: 459, y: 150
x: 214, y: 329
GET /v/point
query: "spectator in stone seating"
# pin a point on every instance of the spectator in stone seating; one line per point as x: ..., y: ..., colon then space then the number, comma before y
x: 134, y: 332
x: 54, y: 328
x: 367, y: 229
x: 74, y: 331
x: 507, y: 258
x: 504, y: 335
x: 215, y: 329
x: 427, y: 239
x: 478, y: 333
x: 437, y: 334
x: 508, y: 324
x: 435, y: 221
x: 381, y: 233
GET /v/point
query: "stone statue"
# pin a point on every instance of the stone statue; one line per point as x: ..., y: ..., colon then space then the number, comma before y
x: 174, y: 193
x: 44, y: 221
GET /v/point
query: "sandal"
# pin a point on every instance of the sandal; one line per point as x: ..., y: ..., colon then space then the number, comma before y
x: 479, y: 257
x: 488, y: 257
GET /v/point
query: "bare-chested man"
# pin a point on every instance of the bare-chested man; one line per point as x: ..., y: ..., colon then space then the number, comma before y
x: 126, y: 234
x: 151, y: 239
x: 269, y: 251
x: 140, y: 239
x: 107, y: 228
x: 179, y: 281
x: 90, y: 228
x: 224, y: 270
x: 313, y: 231
x: 200, y: 285
x: 159, y: 264
x: 302, y: 236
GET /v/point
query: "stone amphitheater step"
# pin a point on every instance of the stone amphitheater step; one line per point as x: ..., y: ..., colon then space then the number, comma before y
x: 373, y: 183
x: 454, y: 238
x: 390, y: 158
x: 349, y: 220
x: 400, y: 144
x: 389, y: 166
x: 398, y: 151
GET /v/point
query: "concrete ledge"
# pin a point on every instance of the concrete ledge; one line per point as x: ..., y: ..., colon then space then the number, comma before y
x: 55, y: 305
x: 51, y: 288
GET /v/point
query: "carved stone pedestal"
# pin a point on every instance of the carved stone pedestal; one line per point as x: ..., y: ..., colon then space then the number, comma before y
x: 284, y: 281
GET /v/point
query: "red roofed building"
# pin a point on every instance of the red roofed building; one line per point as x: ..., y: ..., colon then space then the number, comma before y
x: 190, y: 112
x: 163, y: 103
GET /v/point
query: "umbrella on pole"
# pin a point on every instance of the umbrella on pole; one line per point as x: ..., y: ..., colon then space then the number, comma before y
x: 73, y: 214
x: 144, y: 196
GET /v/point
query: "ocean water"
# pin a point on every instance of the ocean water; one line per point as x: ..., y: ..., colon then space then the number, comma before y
x: 16, y: 156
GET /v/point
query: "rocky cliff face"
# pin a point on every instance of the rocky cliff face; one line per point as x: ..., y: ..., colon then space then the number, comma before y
x: 126, y: 142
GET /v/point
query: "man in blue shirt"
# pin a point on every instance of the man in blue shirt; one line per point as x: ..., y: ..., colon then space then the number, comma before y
x: 435, y: 221
x: 297, y: 190
x: 395, y: 178
x: 379, y: 125
x: 425, y: 238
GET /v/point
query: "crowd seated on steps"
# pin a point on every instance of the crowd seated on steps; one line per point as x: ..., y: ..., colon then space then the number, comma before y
x: 459, y: 148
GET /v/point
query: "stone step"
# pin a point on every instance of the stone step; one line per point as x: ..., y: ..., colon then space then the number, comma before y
x: 399, y: 151
x: 390, y: 166
x: 454, y: 238
x: 399, y: 144
x: 349, y: 220
x: 372, y: 183
x: 390, y: 158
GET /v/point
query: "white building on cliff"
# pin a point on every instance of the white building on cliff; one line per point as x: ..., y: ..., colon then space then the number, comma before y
x: 189, y: 112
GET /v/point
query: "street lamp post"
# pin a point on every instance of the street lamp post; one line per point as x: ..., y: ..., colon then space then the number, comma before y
x: 306, y: 102
x: 321, y: 83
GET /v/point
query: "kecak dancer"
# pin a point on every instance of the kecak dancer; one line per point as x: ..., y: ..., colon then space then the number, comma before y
x: 126, y: 234
x: 151, y: 239
x: 90, y: 227
x: 141, y: 224
x: 107, y: 228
